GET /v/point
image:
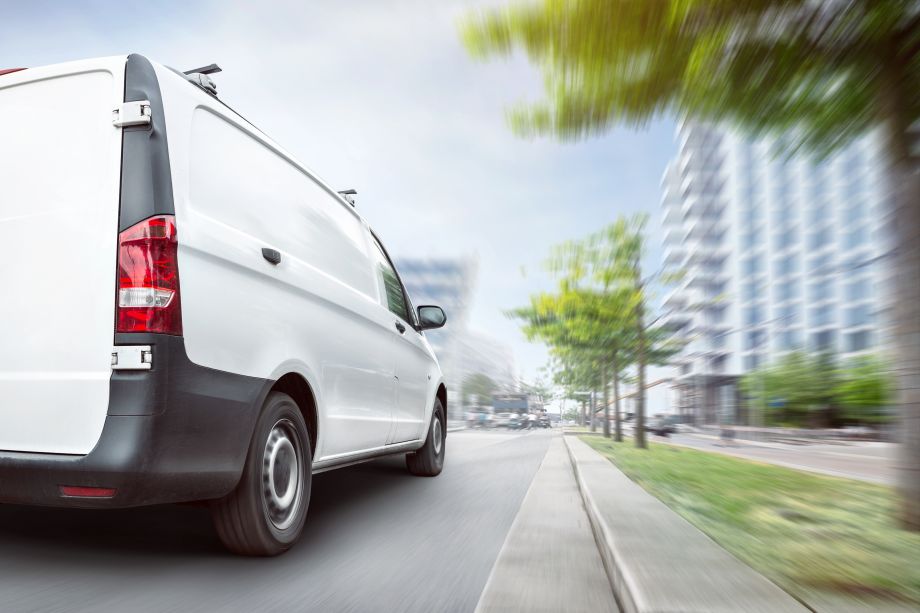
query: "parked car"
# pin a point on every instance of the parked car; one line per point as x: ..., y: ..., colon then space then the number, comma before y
x: 661, y: 427
x: 196, y: 315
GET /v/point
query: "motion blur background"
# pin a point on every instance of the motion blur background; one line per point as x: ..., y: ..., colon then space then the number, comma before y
x: 762, y: 153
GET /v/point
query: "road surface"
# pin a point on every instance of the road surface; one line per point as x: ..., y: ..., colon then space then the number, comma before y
x: 377, y: 539
x: 866, y: 461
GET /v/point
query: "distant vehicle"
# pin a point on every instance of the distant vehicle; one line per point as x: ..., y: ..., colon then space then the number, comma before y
x: 203, y: 320
x: 661, y: 427
x: 544, y: 422
x: 502, y: 419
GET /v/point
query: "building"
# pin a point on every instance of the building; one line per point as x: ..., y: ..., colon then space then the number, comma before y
x: 776, y: 254
x: 462, y: 351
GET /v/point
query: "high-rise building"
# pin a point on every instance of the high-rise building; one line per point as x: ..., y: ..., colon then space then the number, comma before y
x: 776, y: 254
x: 449, y: 283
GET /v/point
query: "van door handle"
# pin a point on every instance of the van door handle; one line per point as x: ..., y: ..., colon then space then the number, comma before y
x: 271, y: 255
x: 400, y: 327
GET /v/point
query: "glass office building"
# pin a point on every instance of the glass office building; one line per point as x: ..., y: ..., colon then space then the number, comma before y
x: 776, y: 254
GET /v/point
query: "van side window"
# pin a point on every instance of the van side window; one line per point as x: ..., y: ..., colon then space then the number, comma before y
x: 395, y: 297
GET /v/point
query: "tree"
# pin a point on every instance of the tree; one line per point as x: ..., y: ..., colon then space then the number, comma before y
x: 798, y: 390
x: 593, y: 322
x: 864, y: 391
x: 818, y: 72
x: 480, y: 385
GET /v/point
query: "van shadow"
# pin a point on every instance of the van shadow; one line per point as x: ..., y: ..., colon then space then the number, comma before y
x: 185, y: 530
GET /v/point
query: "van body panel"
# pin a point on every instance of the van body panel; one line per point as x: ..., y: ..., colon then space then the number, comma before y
x: 180, y: 431
x: 60, y: 158
x: 236, y: 193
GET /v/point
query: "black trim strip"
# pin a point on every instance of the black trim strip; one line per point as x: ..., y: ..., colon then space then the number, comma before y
x: 146, y: 180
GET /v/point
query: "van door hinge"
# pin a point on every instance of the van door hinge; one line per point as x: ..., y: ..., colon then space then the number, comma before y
x: 135, y: 113
x: 132, y: 357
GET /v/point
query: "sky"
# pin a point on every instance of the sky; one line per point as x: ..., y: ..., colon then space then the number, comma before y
x: 380, y: 96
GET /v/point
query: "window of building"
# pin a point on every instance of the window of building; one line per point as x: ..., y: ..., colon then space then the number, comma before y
x: 787, y: 290
x: 751, y: 362
x: 752, y: 315
x: 859, y: 315
x: 820, y: 264
x: 751, y: 290
x: 786, y: 266
x: 822, y: 341
x: 821, y: 290
x: 822, y: 315
x: 751, y: 266
x: 858, y: 341
x: 755, y: 339
x: 788, y: 315
x: 856, y: 237
x: 789, y: 340
x: 820, y: 238
x: 857, y: 290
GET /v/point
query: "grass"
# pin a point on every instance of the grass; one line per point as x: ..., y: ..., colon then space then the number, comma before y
x: 808, y: 533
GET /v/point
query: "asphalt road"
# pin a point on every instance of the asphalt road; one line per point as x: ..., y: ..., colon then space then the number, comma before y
x: 866, y: 461
x: 377, y: 539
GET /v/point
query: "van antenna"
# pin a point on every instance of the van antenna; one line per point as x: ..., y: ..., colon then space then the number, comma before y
x: 199, y: 76
x: 349, y: 195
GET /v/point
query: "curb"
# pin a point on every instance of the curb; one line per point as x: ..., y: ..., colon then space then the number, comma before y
x: 620, y: 580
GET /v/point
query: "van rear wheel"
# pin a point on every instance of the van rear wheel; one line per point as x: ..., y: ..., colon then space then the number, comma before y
x: 429, y: 460
x: 266, y: 512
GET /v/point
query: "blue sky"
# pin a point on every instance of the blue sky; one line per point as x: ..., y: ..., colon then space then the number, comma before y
x: 380, y: 96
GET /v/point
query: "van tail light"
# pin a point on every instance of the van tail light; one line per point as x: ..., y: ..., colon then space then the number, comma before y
x: 148, y: 278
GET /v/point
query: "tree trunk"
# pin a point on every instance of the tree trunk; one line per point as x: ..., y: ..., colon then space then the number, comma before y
x: 606, y: 399
x: 640, y: 367
x: 904, y: 201
x: 581, y: 415
x: 618, y: 434
x: 593, y: 411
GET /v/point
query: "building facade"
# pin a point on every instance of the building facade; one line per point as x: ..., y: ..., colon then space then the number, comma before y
x: 775, y: 254
x: 462, y: 351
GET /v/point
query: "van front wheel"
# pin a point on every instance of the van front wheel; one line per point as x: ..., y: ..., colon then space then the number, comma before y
x: 265, y: 514
x: 429, y: 460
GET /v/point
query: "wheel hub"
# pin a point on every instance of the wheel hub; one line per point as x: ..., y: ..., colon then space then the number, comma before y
x: 437, y: 434
x: 282, y: 474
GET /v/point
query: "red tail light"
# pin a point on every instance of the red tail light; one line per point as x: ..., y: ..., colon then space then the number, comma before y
x: 4, y: 71
x: 148, y: 278
x: 77, y: 491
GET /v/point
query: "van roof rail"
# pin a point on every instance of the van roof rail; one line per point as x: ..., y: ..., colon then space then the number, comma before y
x: 209, y: 69
x: 349, y: 196
x: 199, y: 76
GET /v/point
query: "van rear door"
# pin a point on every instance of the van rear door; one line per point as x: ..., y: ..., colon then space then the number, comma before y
x: 59, y: 183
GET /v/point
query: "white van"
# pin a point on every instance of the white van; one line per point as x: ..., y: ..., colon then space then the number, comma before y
x: 187, y: 312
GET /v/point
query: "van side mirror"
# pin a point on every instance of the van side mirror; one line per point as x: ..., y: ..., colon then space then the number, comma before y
x: 430, y: 317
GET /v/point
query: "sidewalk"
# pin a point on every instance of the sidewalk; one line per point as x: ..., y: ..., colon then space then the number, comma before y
x: 549, y: 561
x: 657, y: 561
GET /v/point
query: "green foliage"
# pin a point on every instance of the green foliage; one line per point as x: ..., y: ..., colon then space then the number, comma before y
x: 809, y: 533
x: 811, y: 390
x: 864, y: 390
x: 592, y: 320
x: 815, y: 70
x: 478, y: 385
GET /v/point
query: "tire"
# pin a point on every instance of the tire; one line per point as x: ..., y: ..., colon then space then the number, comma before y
x: 429, y: 460
x: 265, y: 514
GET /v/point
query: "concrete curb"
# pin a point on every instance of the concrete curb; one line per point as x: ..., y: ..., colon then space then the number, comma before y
x: 655, y: 560
x: 623, y: 585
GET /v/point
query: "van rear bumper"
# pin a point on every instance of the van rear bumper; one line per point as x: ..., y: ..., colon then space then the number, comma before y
x: 176, y: 433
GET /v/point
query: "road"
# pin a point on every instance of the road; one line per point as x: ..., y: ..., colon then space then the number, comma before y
x: 377, y: 539
x: 866, y: 461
